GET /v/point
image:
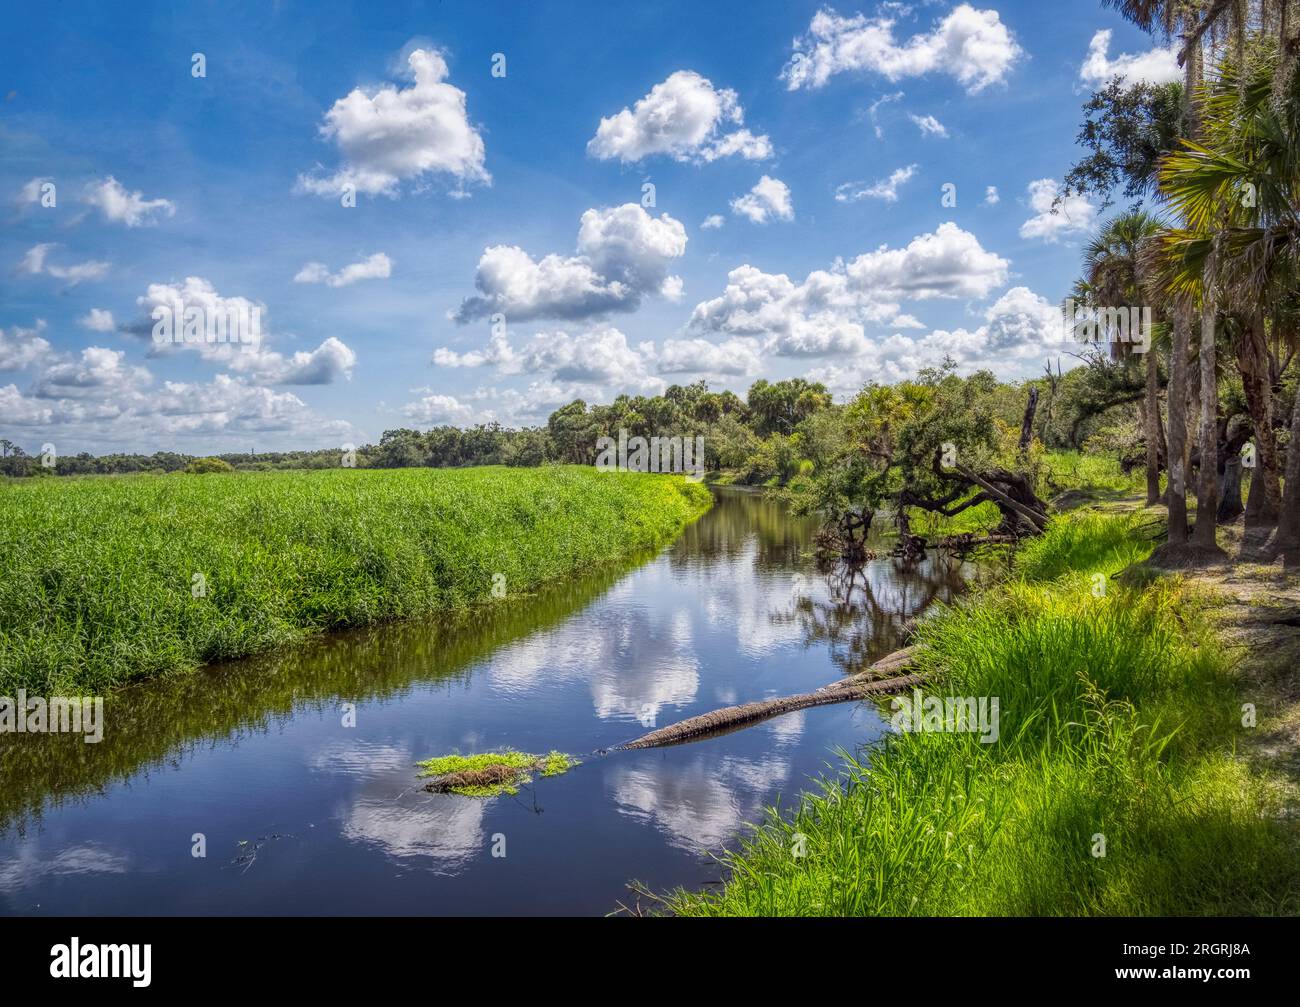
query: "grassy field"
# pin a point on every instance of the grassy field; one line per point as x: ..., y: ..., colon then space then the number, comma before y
x: 1113, y: 787
x: 111, y: 579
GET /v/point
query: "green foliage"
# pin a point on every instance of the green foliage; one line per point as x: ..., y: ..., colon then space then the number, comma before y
x: 886, y: 444
x: 1237, y: 188
x: 774, y: 461
x: 1088, y: 543
x: 780, y: 406
x: 729, y: 444
x: 1095, y: 472
x: 204, y: 466
x: 1126, y: 131
x: 110, y: 580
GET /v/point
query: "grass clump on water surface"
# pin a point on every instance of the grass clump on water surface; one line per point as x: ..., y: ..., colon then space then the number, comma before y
x: 492, y: 773
x: 107, y: 580
x: 1118, y: 722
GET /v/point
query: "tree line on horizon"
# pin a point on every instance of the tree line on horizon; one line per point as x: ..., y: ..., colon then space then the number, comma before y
x: 778, y: 430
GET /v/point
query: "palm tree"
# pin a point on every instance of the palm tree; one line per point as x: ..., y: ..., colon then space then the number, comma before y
x: 1276, y: 20
x: 1238, y: 192
x: 1113, y: 271
x: 1185, y: 19
x: 1189, y: 20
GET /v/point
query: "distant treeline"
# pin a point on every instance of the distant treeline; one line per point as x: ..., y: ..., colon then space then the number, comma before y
x: 765, y: 438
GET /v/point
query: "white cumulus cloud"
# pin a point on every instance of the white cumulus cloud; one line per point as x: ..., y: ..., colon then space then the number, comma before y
x: 35, y: 262
x: 20, y: 347
x: 98, y: 372
x: 828, y: 312
x: 684, y: 117
x: 119, y: 206
x: 97, y: 320
x: 623, y: 255
x: 1158, y: 66
x: 1074, y: 213
x: 738, y: 356
x: 948, y: 262
x: 438, y: 410
x: 595, y: 356
x: 197, y: 298
x: 769, y: 199
x: 394, y: 135
x: 974, y: 46
x: 886, y: 189
x: 375, y: 267
x: 1019, y: 329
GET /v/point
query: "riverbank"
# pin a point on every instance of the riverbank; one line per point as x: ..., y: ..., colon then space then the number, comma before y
x: 108, y: 580
x: 1114, y: 787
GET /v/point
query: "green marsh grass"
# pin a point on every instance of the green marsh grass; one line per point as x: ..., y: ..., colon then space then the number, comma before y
x: 107, y: 580
x: 1098, y: 473
x: 1118, y: 719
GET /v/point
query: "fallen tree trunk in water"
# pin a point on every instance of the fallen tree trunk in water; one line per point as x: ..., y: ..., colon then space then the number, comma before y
x: 884, y: 676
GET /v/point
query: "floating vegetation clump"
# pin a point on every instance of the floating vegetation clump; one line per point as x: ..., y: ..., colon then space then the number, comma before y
x: 490, y: 774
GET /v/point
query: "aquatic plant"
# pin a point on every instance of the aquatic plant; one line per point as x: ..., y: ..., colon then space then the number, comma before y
x: 490, y: 773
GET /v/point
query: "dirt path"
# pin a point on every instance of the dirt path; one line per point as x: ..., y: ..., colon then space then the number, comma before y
x: 1256, y: 612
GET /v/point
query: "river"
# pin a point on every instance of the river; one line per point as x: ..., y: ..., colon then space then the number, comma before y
x: 297, y: 769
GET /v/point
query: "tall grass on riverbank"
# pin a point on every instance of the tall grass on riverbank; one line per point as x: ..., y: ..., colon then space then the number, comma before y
x: 107, y: 580
x: 1118, y: 724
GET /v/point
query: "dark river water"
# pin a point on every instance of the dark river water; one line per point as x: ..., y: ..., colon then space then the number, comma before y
x: 302, y: 814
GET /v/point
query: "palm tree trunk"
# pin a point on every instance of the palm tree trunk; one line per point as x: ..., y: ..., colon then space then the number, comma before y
x: 1191, y: 81
x: 1153, y: 426
x: 1207, y: 487
x: 1164, y: 445
x: 1288, y: 525
x: 1256, y: 379
x: 1177, y: 438
x: 1178, y: 377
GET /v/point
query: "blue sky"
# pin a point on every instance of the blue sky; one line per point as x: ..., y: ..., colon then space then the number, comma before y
x: 818, y: 138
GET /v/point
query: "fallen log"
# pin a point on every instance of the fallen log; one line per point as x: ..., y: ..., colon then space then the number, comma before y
x: 885, y: 676
x: 1036, y: 519
x: 894, y: 663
